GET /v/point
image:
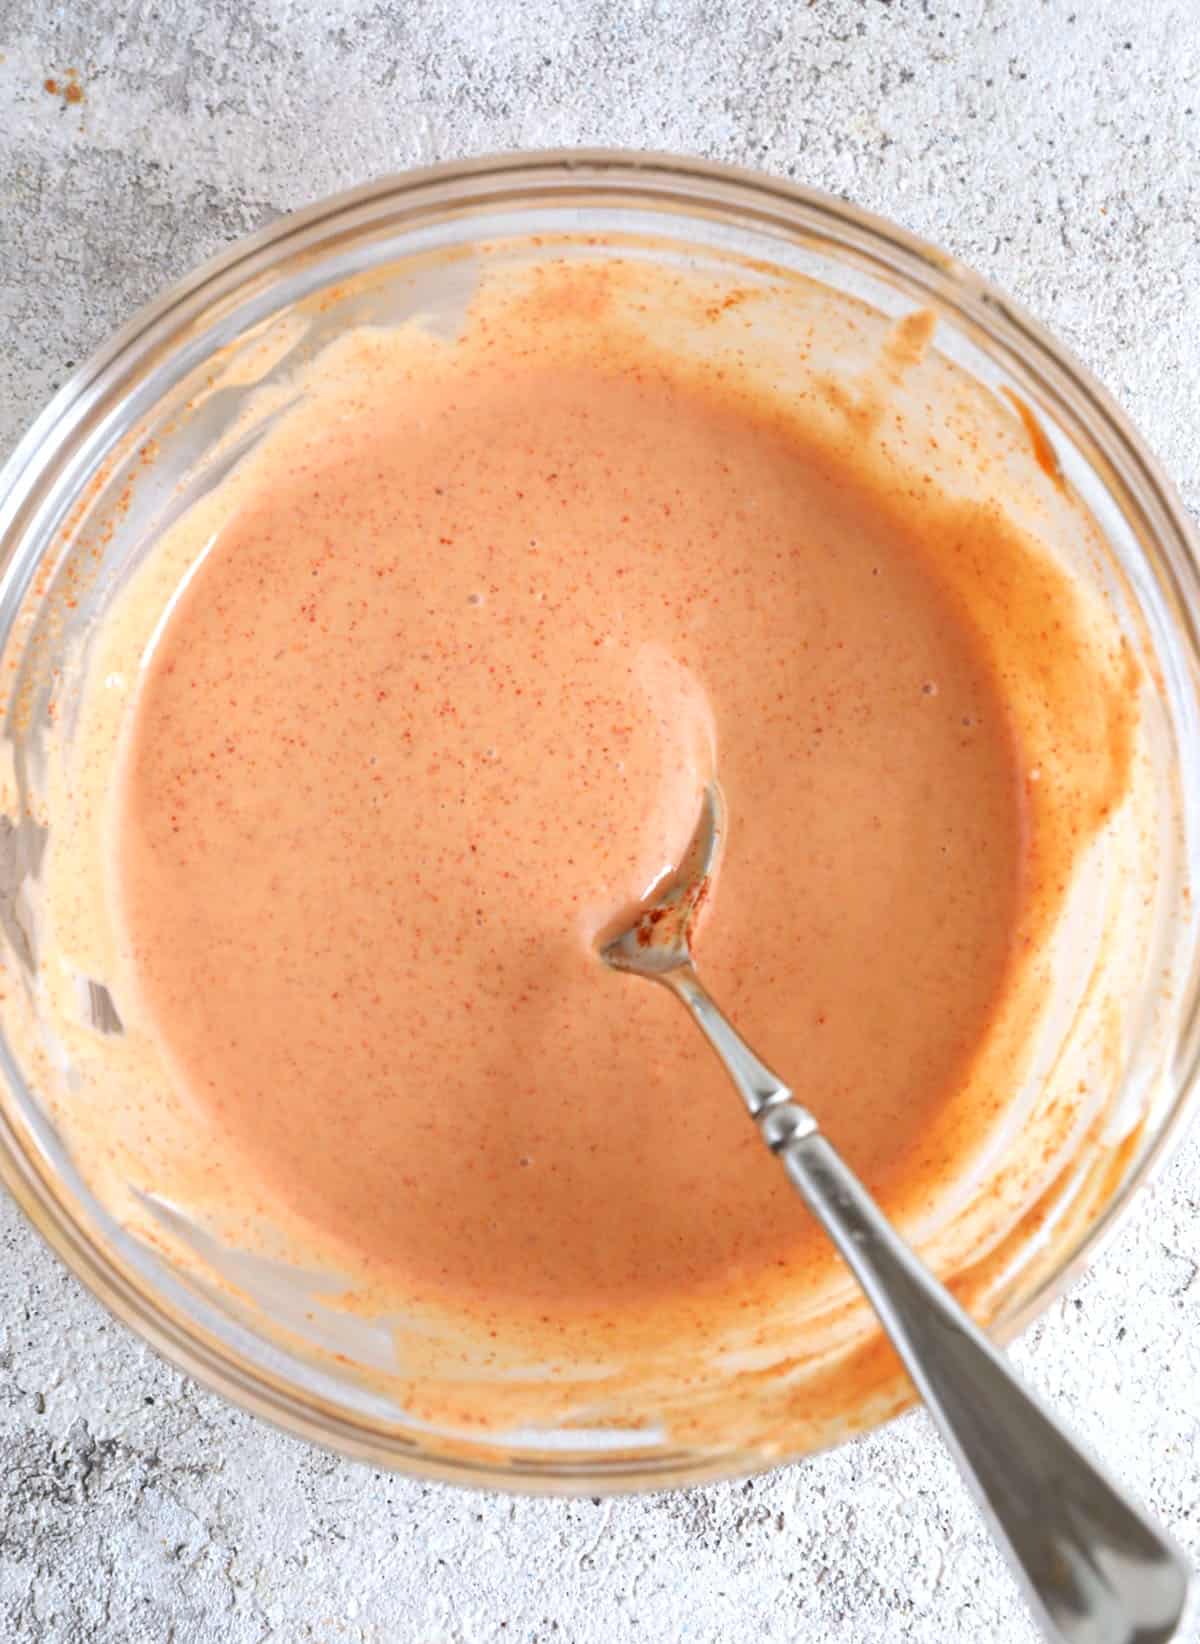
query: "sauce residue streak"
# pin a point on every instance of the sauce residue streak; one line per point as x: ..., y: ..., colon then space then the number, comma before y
x: 445, y: 665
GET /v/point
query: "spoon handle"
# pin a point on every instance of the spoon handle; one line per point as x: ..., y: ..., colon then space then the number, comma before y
x: 1094, y: 1568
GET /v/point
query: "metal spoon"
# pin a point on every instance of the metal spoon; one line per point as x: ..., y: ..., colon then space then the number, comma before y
x: 1093, y: 1567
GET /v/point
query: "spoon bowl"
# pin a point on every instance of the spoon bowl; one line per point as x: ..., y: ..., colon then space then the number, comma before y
x: 659, y: 936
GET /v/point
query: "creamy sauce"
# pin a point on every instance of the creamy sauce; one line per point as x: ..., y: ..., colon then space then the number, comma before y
x: 440, y: 676
x: 437, y: 703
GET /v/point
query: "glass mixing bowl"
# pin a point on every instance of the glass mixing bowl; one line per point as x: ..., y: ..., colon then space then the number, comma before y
x: 129, y: 441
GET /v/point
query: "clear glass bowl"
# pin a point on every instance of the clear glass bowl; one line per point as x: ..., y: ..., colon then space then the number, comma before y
x: 75, y: 470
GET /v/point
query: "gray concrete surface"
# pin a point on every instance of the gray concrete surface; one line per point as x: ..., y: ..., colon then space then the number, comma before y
x: 1054, y: 144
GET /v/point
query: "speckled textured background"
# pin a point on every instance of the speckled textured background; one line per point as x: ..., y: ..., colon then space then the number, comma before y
x: 1055, y: 145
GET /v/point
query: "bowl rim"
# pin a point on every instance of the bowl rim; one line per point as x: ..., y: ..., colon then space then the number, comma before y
x: 458, y: 186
